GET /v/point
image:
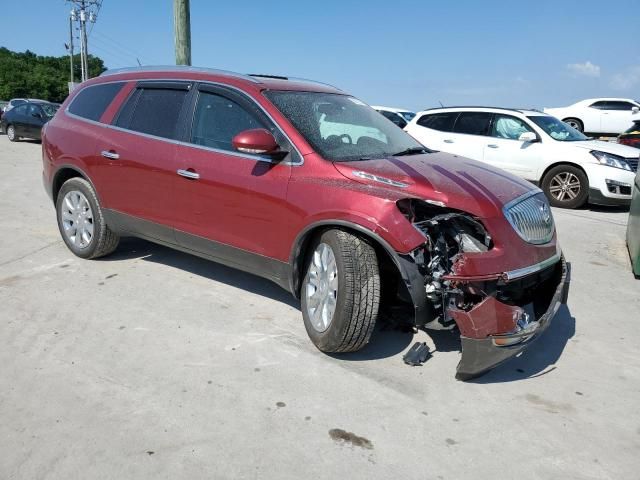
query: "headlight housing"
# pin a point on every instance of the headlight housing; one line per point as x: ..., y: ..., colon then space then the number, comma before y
x: 611, y: 160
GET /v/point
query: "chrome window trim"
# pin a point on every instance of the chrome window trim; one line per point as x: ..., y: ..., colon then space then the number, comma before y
x: 523, y: 272
x: 189, y: 144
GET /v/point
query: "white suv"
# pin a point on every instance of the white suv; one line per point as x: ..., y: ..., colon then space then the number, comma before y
x: 399, y: 116
x: 570, y: 167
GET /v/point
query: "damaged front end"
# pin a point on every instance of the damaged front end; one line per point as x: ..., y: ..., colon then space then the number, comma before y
x: 497, y: 314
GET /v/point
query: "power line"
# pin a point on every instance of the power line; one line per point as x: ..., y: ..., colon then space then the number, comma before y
x: 84, y: 11
x: 113, y: 44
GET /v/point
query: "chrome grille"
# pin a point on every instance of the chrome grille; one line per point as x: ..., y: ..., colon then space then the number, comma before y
x: 530, y: 216
x: 633, y: 163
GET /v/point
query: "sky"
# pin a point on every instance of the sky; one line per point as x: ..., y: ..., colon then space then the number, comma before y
x: 407, y: 54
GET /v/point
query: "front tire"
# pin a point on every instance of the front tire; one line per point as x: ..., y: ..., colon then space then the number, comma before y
x: 340, y: 293
x: 81, y: 222
x: 11, y: 134
x: 566, y: 186
x: 575, y: 123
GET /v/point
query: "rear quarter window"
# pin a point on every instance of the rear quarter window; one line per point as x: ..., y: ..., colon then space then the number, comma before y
x: 438, y: 121
x: 92, y: 101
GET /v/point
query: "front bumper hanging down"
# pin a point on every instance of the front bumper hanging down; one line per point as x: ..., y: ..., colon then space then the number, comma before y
x: 482, y: 354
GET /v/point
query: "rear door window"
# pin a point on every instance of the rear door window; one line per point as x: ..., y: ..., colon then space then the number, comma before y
x: 154, y: 110
x: 395, y: 118
x: 92, y: 101
x: 438, y: 121
x: 473, y: 123
x: 601, y: 105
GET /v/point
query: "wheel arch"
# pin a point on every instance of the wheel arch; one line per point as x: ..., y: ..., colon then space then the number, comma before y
x: 573, y: 117
x: 564, y: 162
x: 387, y: 256
x: 67, y: 172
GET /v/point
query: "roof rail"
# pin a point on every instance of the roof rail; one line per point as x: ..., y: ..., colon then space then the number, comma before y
x: 178, y: 68
x: 293, y: 79
x: 297, y: 79
x: 260, y: 75
x: 482, y: 106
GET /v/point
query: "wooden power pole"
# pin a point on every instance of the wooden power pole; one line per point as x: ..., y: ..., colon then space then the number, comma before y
x: 182, y: 31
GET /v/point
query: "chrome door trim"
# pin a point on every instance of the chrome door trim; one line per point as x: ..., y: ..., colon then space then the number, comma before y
x: 110, y: 155
x: 188, y: 174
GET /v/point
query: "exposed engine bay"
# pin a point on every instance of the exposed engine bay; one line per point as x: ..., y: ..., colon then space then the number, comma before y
x: 491, y: 312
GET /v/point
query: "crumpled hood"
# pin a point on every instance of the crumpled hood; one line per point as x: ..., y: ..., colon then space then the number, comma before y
x: 457, y: 182
x: 607, y: 147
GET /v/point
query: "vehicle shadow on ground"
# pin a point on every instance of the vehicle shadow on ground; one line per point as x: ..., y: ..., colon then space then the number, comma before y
x: 607, y: 209
x: 132, y: 248
x: 541, y: 356
x: 386, y: 340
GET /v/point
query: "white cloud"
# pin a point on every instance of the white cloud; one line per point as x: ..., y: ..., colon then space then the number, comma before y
x: 626, y: 80
x: 586, y: 69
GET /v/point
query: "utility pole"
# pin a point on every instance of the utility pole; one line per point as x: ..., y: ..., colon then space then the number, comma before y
x: 83, y: 42
x: 182, y: 31
x: 83, y: 13
x: 71, y: 79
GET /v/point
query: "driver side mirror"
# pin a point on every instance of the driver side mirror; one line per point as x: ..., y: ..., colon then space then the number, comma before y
x: 635, y: 109
x: 258, y: 141
x: 529, y: 137
x: 37, y: 115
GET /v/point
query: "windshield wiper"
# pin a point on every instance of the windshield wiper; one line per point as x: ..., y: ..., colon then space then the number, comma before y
x: 411, y: 151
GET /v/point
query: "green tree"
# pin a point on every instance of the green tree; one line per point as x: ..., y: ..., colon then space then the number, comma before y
x: 34, y: 76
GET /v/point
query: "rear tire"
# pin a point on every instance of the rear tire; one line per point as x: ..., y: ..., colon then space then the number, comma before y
x: 81, y: 222
x: 566, y: 186
x: 11, y: 134
x: 357, y: 292
x: 575, y: 123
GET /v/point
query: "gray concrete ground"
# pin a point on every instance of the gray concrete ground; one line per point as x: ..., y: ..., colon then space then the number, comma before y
x: 155, y: 364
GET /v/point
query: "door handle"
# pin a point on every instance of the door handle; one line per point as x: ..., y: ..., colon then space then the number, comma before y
x: 492, y: 145
x: 189, y: 174
x: 110, y: 154
x: 448, y: 141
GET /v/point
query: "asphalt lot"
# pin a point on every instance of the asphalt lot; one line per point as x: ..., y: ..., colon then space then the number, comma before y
x: 156, y: 364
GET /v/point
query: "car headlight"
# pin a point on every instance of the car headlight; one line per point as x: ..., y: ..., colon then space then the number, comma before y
x: 611, y: 160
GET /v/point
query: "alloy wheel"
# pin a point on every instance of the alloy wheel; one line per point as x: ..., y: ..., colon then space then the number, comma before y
x: 321, y: 289
x: 565, y: 186
x: 11, y: 133
x: 77, y: 219
x: 574, y: 124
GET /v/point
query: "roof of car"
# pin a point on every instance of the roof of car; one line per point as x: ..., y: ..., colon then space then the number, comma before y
x: 259, y: 81
x: 607, y: 99
x: 475, y: 108
x: 390, y: 109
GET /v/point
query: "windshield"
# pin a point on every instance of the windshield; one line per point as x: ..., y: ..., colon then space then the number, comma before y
x: 341, y: 128
x: 557, y: 129
x: 408, y: 116
x: 49, y: 109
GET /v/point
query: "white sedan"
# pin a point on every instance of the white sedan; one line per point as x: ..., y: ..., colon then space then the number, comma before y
x: 599, y: 115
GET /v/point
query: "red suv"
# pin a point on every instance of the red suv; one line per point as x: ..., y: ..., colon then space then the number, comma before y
x: 305, y: 185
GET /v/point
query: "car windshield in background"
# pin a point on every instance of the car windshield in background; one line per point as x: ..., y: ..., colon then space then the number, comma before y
x: 408, y: 116
x: 49, y: 109
x: 557, y: 129
x: 342, y: 128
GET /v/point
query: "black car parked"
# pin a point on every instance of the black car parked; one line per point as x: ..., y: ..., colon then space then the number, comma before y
x: 26, y: 120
